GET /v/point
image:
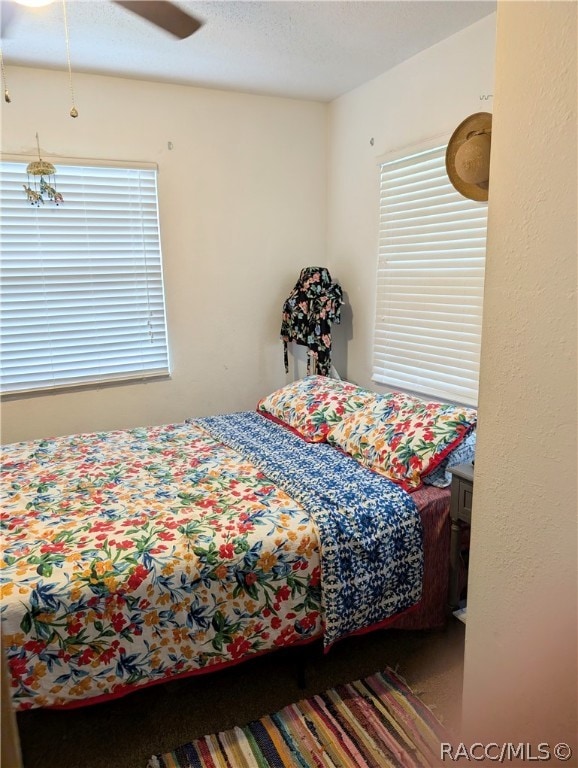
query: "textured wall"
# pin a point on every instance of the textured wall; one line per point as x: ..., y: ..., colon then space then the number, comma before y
x: 242, y: 199
x: 520, y: 672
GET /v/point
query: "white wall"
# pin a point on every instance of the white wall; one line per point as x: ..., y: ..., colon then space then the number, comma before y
x: 426, y: 96
x: 520, y: 681
x: 242, y: 209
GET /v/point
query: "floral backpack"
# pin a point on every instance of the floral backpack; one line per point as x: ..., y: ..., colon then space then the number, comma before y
x: 312, y: 306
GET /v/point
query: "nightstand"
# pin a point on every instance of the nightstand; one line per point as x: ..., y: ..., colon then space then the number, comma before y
x: 462, y: 492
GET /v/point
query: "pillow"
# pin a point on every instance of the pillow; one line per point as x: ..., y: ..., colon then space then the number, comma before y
x: 311, y: 406
x: 401, y: 437
x: 464, y: 453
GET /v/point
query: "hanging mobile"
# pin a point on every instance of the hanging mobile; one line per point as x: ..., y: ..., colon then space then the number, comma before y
x: 42, y: 182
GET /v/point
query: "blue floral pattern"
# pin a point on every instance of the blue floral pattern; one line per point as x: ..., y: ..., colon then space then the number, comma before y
x: 370, y: 530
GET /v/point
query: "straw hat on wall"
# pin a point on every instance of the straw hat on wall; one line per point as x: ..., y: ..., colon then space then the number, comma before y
x: 468, y: 156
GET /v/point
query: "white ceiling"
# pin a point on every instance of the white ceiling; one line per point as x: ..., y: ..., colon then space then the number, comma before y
x: 311, y: 49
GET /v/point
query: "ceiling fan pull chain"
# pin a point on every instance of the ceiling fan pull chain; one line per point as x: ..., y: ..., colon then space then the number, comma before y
x: 7, y: 98
x: 73, y: 111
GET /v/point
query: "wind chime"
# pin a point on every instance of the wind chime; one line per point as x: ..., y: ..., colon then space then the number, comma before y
x: 41, y: 181
x: 41, y: 184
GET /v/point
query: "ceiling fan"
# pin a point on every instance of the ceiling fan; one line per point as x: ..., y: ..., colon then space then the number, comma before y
x: 162, y: 13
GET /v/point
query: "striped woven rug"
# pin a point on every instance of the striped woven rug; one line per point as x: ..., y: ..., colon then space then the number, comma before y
x: 372, y: 723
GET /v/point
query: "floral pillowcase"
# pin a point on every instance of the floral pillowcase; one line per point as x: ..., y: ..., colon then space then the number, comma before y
x: 311, y: 406
x: 402, y: 437
x: 463, y: 453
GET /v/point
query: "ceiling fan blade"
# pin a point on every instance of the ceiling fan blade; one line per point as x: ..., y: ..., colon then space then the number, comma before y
x: 165, y: 15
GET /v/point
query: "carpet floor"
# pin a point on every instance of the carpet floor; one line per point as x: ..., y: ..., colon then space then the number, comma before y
x: 124, y: 733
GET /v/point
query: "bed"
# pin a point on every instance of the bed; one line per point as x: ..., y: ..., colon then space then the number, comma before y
x: 132, y: 557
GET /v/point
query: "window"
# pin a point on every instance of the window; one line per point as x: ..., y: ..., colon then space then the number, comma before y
x: 82, y: 289
x: 430, y: 280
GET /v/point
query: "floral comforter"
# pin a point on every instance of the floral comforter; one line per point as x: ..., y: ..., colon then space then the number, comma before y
x: 132, y: 556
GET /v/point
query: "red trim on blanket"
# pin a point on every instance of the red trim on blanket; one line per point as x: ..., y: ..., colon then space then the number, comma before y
x: 124, y: 690
x: 379, y: 625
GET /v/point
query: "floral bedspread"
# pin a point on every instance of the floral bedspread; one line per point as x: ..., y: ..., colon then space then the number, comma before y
x: 369, y: 528
x: 132, y: 556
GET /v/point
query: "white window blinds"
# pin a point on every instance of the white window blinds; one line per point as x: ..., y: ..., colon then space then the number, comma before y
x: 82, y: 290
x: 430, y: 280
